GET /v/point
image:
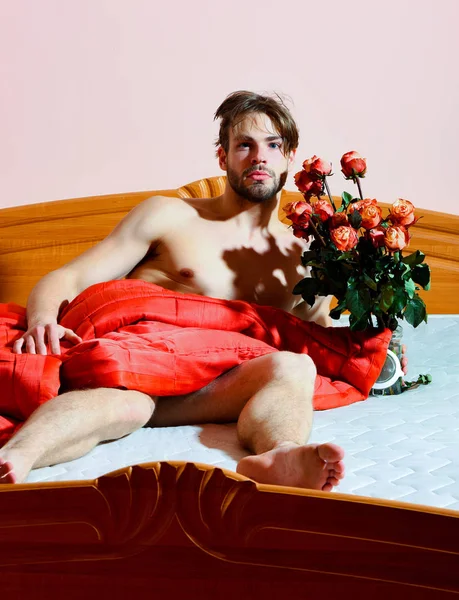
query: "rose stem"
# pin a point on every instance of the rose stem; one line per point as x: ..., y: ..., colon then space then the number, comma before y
x: 357, y: 181
x: 329, y: 195
x: 316, y: 233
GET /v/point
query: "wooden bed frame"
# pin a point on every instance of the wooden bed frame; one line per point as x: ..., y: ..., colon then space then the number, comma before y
x: 176, y: 529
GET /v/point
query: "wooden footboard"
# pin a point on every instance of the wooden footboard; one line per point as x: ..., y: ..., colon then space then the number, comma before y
x: 190, y: 530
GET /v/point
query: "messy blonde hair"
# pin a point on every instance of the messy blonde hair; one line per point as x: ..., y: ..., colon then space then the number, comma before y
x: 239, y: 104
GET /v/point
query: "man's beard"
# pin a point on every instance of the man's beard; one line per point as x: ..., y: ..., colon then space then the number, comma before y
x: 259, y: 191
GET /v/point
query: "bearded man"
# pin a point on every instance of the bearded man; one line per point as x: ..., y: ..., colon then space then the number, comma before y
x: 230, y: 247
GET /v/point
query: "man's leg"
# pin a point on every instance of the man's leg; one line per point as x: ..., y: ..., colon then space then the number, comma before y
x: 271, y: 395
x: 69, y: 426
x: 271, y: 398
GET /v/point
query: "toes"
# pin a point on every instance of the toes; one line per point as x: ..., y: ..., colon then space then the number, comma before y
x: 327, y: 487
x: 339, y: 469
x: 338, y: 476
x: 6, y: 472
x: 330, y: 453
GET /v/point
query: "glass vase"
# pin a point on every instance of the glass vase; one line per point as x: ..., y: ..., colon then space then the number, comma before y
x: 389, y: 381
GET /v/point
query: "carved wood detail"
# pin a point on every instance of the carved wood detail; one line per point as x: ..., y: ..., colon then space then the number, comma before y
x: 135, y: 511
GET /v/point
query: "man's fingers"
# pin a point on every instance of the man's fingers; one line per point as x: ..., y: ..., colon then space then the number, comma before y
x: 52, y: 333
x: 40, y: 345
x: 30, y: 344
x: 17, y: 346
x: 71, y: 336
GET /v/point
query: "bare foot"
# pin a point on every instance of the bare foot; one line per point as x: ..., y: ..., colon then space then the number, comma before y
x: 14, y: 466
x: 315, y: 466
x: 6, y: 472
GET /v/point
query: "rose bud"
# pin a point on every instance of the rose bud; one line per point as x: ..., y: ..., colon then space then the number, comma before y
x: 396, y: 238
x: 317, y: 167
x: 376, y: 236
x: 338, y: 219
x: 353, y: 165
x: 344, y: 237
x: 308, y: 184
x: 323, y: 209
x: 371, y: 216
x: 298, y: 212
x: 300, y: 232
x: 402, y: 213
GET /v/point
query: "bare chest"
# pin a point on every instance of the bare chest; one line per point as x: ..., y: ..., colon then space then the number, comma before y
x: 213, y: 260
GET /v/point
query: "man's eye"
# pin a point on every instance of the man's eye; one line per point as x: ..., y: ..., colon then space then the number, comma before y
x: 274, y: 145
x: 244, y: 145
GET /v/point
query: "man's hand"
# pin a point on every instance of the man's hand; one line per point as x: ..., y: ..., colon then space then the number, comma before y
x: 36, y: 338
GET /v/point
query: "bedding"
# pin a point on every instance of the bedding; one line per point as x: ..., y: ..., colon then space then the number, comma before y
x: 139, y: 336
x: 403, y: 447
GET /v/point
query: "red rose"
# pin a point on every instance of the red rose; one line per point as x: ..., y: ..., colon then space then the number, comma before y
x: 298, y: 212
x: 376, y: 236
x: 371, y: 216
x: 361, y: 204
x: 353, y: 165
x: 299, y: 232
x: 317, y: 167
x: 344, y: 237
x: 396, y: 238
x: 323, y: 209
x: 339, y: 218
x: 402, y: 213
x: 308, y: 184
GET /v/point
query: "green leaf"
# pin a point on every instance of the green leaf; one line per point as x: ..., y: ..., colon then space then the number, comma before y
x: 370, y: 282
x: 355, y: 219
x: 387, y: 297
x: 346, y: 199
x: 358, y: 323
x: 399, y: 301
x: 311, y: 300
x: 410, y: 288
x: 357, y: 302
x: 415, y: 311
x: 309, y: 286
x: 308, y: 256
x: 414, y: 259
x: 421, y: 275
x: 405, y: 270
x: 336, y: 312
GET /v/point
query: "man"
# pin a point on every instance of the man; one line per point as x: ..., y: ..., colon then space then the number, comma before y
x: 231, y: 247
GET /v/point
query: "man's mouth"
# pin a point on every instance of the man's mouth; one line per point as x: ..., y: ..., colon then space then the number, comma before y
x: 259, y: 175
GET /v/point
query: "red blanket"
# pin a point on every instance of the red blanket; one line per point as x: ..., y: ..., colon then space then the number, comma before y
x: 139, y: 336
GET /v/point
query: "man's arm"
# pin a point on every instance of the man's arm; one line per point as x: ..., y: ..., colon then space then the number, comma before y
x: 317, y: 313
x: 112, y: 258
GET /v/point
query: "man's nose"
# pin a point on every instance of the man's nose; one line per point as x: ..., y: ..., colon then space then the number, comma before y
x: 258, y: 158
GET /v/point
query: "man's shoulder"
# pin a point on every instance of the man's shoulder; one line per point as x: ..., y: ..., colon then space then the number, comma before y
x: 165, y: 206
x: 160, y: 203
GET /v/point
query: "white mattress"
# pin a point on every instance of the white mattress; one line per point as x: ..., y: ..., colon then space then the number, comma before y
x: 402, y: 447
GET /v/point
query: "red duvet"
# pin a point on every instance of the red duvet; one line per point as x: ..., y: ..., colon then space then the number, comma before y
x: 139, y: 336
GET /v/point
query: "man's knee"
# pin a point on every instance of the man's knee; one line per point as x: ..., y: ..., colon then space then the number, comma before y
x: 135, y: 408
x: 293, y: 367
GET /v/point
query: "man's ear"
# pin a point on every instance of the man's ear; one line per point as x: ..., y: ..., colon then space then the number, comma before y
x: 291, y: 158
x: 222, y: 158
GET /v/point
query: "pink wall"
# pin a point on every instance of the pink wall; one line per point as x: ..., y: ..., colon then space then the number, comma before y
x: 101, y: 96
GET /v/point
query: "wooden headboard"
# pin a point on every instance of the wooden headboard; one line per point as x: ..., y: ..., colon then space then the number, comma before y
x: 38, y: 238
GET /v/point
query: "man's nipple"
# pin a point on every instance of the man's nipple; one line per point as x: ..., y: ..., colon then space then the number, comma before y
x: 188, y: 273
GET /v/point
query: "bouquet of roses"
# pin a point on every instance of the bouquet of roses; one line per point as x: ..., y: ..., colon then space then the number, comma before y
x: 355, y: 253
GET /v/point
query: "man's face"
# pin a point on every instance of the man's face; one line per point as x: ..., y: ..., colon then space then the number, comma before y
x: 255, y: 163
